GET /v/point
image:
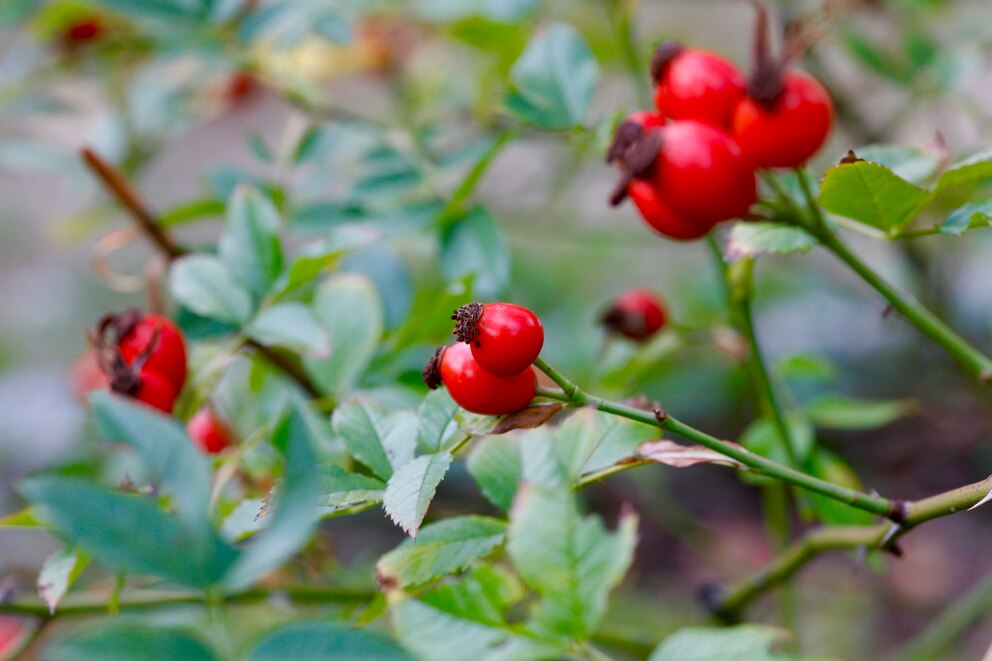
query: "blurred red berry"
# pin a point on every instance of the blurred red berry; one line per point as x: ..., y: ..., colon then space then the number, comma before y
x: 637, y: 314
x: 137, y: 332
x: 209, y: 432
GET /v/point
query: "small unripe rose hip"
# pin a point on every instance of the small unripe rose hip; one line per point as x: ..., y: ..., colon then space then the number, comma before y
x: 504, y: 338
x: 637, y: 314
x: 475, y: 389
x: 209, y: 432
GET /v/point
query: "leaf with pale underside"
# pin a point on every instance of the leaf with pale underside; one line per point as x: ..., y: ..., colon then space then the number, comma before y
x: 674, y: 454
x: 411, y: 488
x: 59, y: 571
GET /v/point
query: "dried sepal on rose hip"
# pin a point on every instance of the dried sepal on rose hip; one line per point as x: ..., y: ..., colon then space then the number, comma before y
x: 135, y: 334
x: 787, y: 114
x: 476, y: 389
x: 695, y: 84
x: 636, y: 314
x: 209, y: 431
x: 505, y: 338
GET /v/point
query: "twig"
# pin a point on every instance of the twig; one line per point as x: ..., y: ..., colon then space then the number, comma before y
x: 76, y: 605
x: 728, y: 606
x: 287, y: 367
x: 118, y: 185
x: 572, y: 393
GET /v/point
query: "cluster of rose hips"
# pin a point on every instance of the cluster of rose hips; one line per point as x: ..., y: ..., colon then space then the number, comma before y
x: 143, y: 357
x: 691, y: 164
x: 489, y: 370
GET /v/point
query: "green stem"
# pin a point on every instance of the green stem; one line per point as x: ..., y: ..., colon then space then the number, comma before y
x: 977, y: 363
x: 950, y: 625
x: 790, y: 561
x: 74, y: 605
x: 572, y: 393
x: 793, y: 558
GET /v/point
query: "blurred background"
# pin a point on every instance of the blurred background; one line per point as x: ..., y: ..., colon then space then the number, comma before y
x: 189, y: 110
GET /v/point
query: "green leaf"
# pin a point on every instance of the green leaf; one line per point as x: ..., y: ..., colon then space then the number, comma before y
x: 128, y: 532
x: 752, y: 239
x: 59, y: 571
x: 586, y: 442
x: 762, y: 437
x: 431, y: 633
x: 968, y: 172
x: 483, y: 594
x: 571, y: 561
x: 441, y: 548
x: 183, y: 471
x: 807, y: 366
x: 436, y: 424
x: 350, y: 309
x: 306, y: 267
x: 747, y: 642
x: 293, y: 326
x: 157, y: 9
x: 297, y: 510
x: 318, y: 641
x: 913, y: 164
x: 969, y: 216
x: 243, y: 521
x: 258, y: 147
x: 380, y: 439
x: 25, y: 518
x: 502, y: 11
x: 834, y: 411
x: 344, y: 491
x: 191, y: 211
x: 250, y: 244
x: 411, y: 488
x: 554, y: 80
x: 828, y: 466
x: 871, y: 194
x: 495, y: 465
x: 127, y: 642
x: 203, y: 284
x: 474, y: 246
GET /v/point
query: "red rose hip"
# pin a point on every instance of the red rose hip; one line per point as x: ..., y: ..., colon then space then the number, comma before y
x: 659, y: 216
x: 504, y: 338
x: 155, y: 390
x: 701, y: 173
x: 209, y: 432
x: 787, y: 129
x: 637, y: 314
x: 695, y: 84
x: 475, y: 389
x: 135, y: 336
